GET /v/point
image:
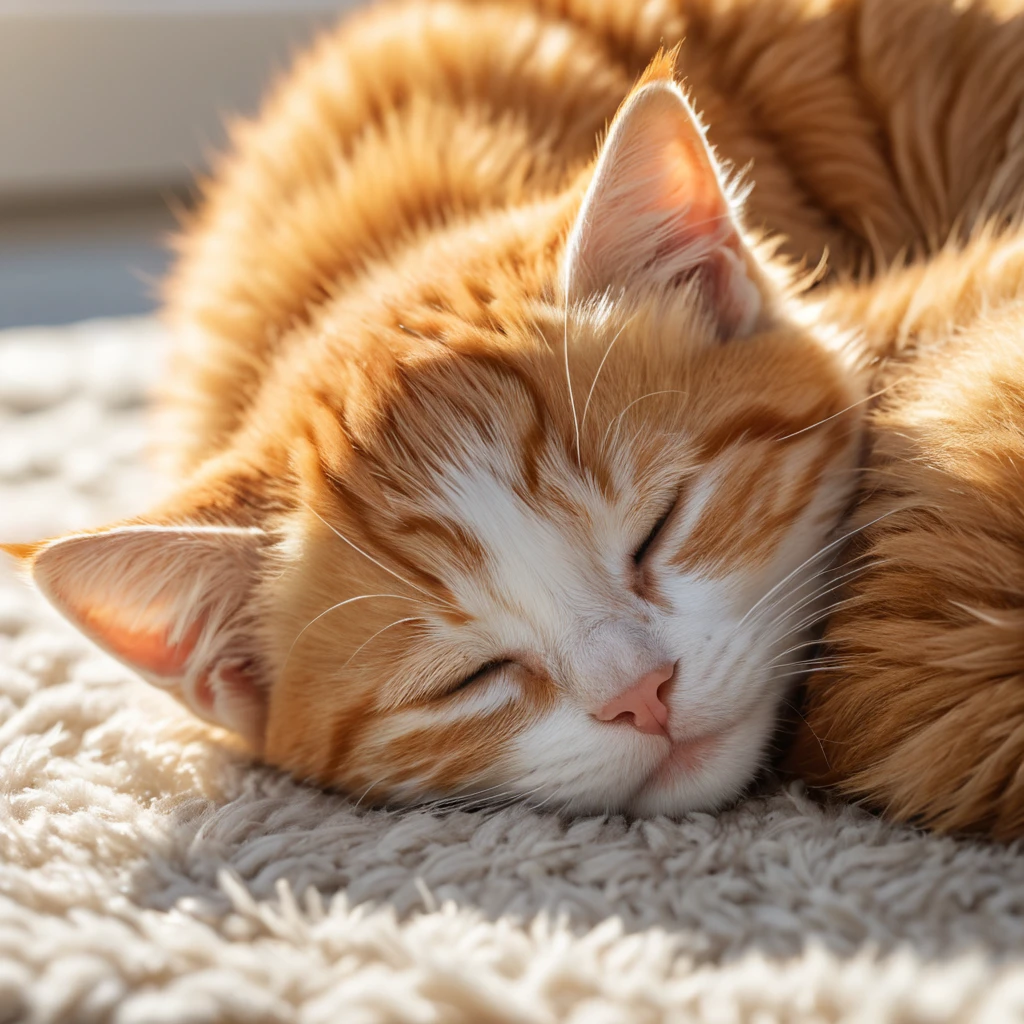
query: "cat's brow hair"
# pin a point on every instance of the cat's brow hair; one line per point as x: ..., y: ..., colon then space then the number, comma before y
x: 429, y: 586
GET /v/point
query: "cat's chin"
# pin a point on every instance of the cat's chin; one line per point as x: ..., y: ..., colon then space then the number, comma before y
x: 704, y: 772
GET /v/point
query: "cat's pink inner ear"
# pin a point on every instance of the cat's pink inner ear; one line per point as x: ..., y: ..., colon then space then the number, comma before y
x: 171, y: 603
x: 152, y: 651
x: 657, y: 213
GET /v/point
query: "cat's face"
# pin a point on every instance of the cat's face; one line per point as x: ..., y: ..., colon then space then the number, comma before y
x: 606, y: 630
x: 570, y: 555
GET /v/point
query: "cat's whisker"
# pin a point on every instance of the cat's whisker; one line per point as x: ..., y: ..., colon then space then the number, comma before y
x: 814, y: 619
x: 502, y: 800
x: 791, y: 650
x: 773, y: 680
x: 808, y: 561
x: 604, y: 359
x: 473, y: 800
x: 825, y: 665
x: 816, y: 597
x: 380, y: 565
x: 810, y: 728
x: 543, y: 803
x: 809, y: 623
x: 815, y: 661
x: 816, y: 594
x: 335, y: 607
x: 759, y: 606
x: 483, y: 794
x: 618, y: 419
x: 836, y: 415
x: 804, y: 664
x: 788, y: 603
x: 568, y: 376
x: 820, y: 592
x: 390, y: 625
x: 803, y: 668
x: 365, y: 792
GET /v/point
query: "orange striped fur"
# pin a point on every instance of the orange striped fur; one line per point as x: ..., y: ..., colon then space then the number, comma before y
x: 483, y: 412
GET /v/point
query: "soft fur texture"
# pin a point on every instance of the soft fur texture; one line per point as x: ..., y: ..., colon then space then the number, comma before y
x: 149, y: 874
x: 483, y: 438
x: 919, y: 707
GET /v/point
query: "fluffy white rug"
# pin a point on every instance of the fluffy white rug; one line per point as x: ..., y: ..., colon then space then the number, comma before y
x: 149, y: 874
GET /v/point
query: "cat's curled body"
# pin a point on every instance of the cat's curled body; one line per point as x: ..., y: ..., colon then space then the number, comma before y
x: 511, y: 471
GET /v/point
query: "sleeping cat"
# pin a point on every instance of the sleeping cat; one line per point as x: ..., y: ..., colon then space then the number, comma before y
x: 509, y: 469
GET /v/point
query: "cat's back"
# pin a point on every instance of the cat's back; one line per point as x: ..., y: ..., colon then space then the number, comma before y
x: 406, y: 121
x: 414, y: 117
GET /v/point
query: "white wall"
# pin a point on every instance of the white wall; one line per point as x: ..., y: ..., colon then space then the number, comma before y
x: 108, y: 95
x: 45, y: 8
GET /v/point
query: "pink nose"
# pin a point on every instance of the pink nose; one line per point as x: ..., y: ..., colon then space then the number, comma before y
x: 641, y: 704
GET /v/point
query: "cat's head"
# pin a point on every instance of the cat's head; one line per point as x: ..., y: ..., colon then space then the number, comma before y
x: 548, y: 525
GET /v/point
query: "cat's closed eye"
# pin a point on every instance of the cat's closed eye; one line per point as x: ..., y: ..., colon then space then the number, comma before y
x: 659, y: 524
x: 479, y: 675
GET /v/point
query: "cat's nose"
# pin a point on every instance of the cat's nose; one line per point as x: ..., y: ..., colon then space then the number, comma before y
x: 642, y: 705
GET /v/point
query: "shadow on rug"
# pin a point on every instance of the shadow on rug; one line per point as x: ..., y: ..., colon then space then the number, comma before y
x: 150, y: 873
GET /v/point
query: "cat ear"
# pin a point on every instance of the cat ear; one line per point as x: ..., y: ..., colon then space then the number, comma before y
x: 170, y: 602
x: 657, y: 213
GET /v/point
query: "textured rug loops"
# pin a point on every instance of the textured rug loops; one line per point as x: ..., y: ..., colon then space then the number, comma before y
x: 150, y: 873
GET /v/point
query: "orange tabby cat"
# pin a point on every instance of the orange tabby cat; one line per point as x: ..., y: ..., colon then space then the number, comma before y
x: 511, y: 470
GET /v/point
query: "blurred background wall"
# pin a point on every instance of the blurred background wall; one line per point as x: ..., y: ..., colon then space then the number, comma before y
x: 108, y: 108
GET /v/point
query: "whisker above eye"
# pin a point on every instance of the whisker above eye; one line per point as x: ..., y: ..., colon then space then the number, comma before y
x: 604, y: 359
x: 335, y: 607
x: 650, y: 394
x: 390, y: 625
x: 568, y: 377
x: 380, y: 565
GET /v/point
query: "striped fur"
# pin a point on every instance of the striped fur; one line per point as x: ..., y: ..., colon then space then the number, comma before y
x: 451, y: 357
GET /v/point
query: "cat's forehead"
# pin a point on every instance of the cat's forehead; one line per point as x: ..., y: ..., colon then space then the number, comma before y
x: 542, y: 544
x: 513, y: 479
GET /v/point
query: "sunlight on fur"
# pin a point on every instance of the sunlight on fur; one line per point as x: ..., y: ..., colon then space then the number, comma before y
x: 516, y: 454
